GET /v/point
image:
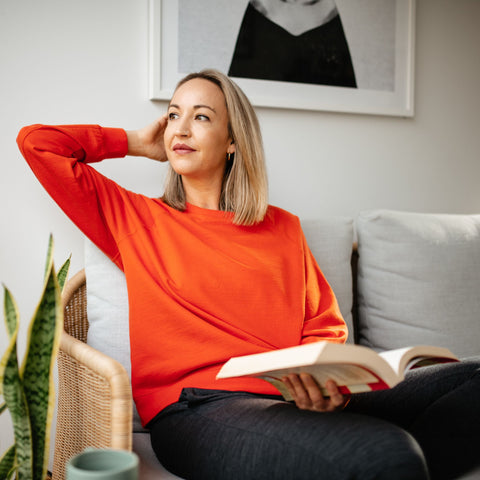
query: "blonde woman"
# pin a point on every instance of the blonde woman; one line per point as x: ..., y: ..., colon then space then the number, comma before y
x: 213, y: 271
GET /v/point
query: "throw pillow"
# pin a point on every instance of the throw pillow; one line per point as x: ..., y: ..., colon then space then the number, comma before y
x: 418, y: 280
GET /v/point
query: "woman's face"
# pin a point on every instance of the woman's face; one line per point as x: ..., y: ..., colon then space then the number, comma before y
x: 196, y: 137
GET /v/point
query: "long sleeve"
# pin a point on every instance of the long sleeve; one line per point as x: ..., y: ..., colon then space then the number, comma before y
x: 59, y: 157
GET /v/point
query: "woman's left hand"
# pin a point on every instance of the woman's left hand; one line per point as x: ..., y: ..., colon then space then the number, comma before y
x: 308, y: 396
x: 148, y: 141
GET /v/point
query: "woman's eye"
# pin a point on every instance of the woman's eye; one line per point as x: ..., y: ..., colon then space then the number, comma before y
x: 202, y: 117
x: 172, y: 116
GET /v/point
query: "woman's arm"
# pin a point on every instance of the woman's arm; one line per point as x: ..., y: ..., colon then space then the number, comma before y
x: 58, y: 156
x: 323, y: 321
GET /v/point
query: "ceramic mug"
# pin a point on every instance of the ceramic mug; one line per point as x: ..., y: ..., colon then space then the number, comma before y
x: 103, y: 464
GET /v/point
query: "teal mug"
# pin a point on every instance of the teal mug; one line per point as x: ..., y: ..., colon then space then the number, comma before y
x: 103, y: 464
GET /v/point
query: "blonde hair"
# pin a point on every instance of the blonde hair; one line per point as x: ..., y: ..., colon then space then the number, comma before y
x: 245, y: 187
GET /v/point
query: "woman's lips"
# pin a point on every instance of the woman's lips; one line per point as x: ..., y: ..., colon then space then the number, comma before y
x: 182, y: 148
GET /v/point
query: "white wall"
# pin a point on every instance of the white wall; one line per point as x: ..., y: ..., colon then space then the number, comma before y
x: 70, y: 61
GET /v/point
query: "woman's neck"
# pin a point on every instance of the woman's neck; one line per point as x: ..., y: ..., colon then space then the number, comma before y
x: 203, y: 196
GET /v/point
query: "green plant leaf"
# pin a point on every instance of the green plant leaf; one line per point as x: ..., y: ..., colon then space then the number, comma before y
x: 3, y: 407
x: 13, y: 392
x: 11, y: 323
x: 11, y: 312
x: 7, y: 464
x: 63, y: 273
x: 37, y: 369
x: 49, y: 259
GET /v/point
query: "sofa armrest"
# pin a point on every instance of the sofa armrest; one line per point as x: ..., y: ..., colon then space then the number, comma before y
x: 94, y: 393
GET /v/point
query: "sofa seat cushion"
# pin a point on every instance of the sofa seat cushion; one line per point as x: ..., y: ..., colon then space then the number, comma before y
x: 150, y: 467
x: 418, y: 280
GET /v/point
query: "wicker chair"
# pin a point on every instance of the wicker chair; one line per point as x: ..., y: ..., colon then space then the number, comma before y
x: 94, y: 395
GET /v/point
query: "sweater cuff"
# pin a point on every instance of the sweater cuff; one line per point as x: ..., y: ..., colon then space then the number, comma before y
x: 115, y: 142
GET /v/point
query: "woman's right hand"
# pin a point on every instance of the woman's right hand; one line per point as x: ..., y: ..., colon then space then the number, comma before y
x: 148, y: 141
x: 307, y: 395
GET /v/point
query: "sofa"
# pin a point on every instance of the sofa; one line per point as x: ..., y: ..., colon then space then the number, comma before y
x: 400, y: 278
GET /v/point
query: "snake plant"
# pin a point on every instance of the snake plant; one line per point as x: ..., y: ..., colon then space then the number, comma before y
x: 28, y: 389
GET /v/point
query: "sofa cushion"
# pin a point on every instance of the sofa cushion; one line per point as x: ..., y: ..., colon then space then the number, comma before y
x: 330, y: 239
x: 418, y: 280
x: 150, y: 467
x: 107, y: 311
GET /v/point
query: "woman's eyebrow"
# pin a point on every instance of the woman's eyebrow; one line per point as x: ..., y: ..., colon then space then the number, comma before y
x: 204, y: 106
x: 195, y: 107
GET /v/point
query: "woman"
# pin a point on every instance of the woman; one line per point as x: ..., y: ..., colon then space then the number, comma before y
x: 215, y: 272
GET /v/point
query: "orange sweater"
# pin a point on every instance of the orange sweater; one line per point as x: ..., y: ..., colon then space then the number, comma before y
x: 201, y: 289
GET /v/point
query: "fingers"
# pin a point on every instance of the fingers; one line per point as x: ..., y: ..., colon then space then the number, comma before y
x: 152, y: 139
x: 148, y: 141
x: 336, y: 398
x: 154, y: 131
x: 161, y: 122
x: 160, y: 152
x: 308, y: 396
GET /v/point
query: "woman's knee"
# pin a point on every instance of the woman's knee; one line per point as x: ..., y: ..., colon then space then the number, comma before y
x: 385, y: 452
x: 403, y: 459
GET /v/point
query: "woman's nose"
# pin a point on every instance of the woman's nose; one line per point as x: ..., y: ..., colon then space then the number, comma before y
x: 182, y: 127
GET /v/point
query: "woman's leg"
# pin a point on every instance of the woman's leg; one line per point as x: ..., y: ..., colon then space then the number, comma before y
x: 234, y: 435
x: 440, y: 407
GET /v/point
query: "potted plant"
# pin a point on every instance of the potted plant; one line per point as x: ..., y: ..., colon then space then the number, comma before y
x: 28, y: 389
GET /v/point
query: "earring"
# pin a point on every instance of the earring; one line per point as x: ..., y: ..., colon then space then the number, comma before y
x: 229, y: 157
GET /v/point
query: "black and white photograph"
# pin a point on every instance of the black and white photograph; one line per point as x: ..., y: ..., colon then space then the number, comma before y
x: 338, y: 55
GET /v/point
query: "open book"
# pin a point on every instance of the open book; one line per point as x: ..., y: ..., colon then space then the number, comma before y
x: 354, y: 368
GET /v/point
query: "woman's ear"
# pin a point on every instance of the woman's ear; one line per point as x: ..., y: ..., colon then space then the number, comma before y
x: 231, y: 147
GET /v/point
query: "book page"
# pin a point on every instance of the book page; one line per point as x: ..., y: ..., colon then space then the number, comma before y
x: 341, y: 374
x: 395, y: 359
x: 406, y: 358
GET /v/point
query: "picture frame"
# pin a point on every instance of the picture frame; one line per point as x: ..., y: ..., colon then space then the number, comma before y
x: 165, y: 44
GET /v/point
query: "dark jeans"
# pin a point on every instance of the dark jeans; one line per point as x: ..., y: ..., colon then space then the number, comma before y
x: 427, y: 425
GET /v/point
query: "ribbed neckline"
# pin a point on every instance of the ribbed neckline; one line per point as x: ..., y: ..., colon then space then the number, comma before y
x: 206, y: 212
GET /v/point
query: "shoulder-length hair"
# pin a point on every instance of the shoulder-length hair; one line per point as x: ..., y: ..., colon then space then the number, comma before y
x: 245, y: 187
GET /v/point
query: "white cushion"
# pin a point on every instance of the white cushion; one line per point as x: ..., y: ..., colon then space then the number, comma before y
x: 418, y: 280
x: 331, y: 240
x: 107, y: 311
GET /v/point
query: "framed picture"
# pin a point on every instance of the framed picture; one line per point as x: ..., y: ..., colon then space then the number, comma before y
x: 356, y: 57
